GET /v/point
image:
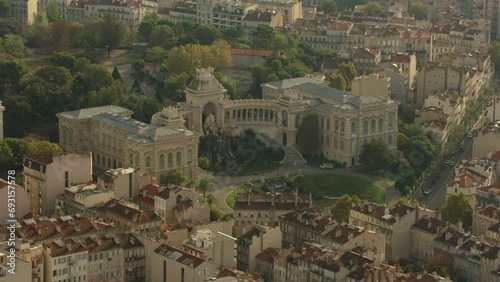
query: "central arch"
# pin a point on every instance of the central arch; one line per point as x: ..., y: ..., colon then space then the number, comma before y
x: 210, y: 110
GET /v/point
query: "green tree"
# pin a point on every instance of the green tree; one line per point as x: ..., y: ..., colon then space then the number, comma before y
x: 265, y: 37
x: 376, y: 155
x: 93, y: 29
x: 116, y: 73
x: 59, y: 33
x: 349, y: 72
x: 162, y: 35
x: 204, y: 162
x: 203, y: 186
x: 189, y: 57
x: 13, y: 45
x: 19, y: 148
x: 144, y: 29
x: 174, y: 85
x: 113, y: 31
x: 418, y: 10
x: 7, y: 158
x: 307, y: 135
x: 114, y: 94
x: 5, y: 9
x: 342, y: 207
x: 156, y: 55
x: 138, y: 66
x: 19, y: 122
x: 373, y: 6
x: 9, y: 26
x: 329, y: 7
x: 11, y: 73
x: 41, y: 147
x: 54, y: 11
x: 65, y: 60
x: 494, y: 51
x: 143, y: 106
x: 76, y: 34
x: 206, y: 34
x: 175, y: 177
x: 458, y: 208
x: 337, y: 81
x: 96, y: 77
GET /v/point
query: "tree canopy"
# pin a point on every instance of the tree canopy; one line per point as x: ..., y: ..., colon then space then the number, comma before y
x: 307, y: 135
x: 203, y: 186
x: 112, y: 31
x: 329, y: 7
x: 338, y: 81
x: 342, y: 207
x: 5, y: 9
x: 175, y: 177
x: 458, y: 208
x: 418, y: 10
x: 376, y: 155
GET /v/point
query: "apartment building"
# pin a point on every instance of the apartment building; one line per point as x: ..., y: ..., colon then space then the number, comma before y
x: 24, y: 11
x: 125, y: 215
x: 265, y: 209
x: 264, y: 262
x: 448, y: 242
x: 229, y: 14
x: 65, y: 259
x: 77, y: 199
x: 483, y: 218
x: 30, y: 252
x: 124, y: 182
x: 22, y: 269
x: 23, y: 205
x: 126, y: 12
x: 424, y: 231
x: 254, y: 18
x: 312, y: 225
x: 488, y: 195
x: 46, y: 176
x: 174, y: 264
x: 394, y: 223
x: 366, y: 60
x: 212, y: 245
x: 117, y: 141
x: 174, y: 202
x: 254, y: 241
x: 487, y: 140
x: 492, y: 234
x: 373, y: 84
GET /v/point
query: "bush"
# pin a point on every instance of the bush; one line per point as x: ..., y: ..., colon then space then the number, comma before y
x: 216, y: 213
x: 138, y: 66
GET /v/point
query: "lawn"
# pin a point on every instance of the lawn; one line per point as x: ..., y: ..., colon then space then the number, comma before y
x: 335, y: 185
x: 244, y: 189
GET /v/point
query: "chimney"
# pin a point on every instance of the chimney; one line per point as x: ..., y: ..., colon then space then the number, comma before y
x: 417, y: 211
x: 460, y: 226
x: 99, y: 240
x: 77, y: 228
x: 69, y: 246
x: 386, y: 210
x: 370, y: 208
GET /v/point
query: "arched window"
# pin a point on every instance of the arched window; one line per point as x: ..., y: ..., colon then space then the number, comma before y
x: 380, y: 125
x: 161, y: 161
x: 365, y: 127
x: 389, y: 123
x: 170, y: 160
x: 328, y: 124
x: 322, y: 123
x: 342, y: 145
x: 284, y: 118
x: 70, y: 137
x: 131, y: 159
x: 390, y: 140
x: 342, y: 127
x: 65, y: 136
x: 372, y: 125
x: 119, y: 164
x: 148, y: 161
x: 335, y: 143
x: 109, y: 162
x: 137, y: 160
x: 353, y: 127
x: 114, y: 163
x: 178, y: 159
x: 98, y: 159
x: 189, y: 156
x: 336, y: 126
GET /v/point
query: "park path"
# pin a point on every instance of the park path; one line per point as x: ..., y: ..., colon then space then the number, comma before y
x: 223, y: 185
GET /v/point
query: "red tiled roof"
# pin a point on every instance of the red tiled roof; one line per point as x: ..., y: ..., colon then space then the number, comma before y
x: 43, y: 159
x: 430, y: 225
x: 463, y: 181
x: 490, y: 211
x: 251, y: 52
x: 365, y: 53
x: 122, y: 209
x: 268, y: 254
x: 494, y: 188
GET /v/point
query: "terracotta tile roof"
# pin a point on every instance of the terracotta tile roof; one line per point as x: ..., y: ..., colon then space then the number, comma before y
x: 179, y: 255
x: 63, y: 248
x: 126, y: 211
x: 42, y: 159
x: 496, y: 156
x: 414, y: 33
x: 334, y: 63
x: 462, y: 181
x: 259, y: 16
x: 365, y: 53
x: 494, y: 189
x: 251, y: 52
x: 495, y: 228
x: 490, y: 211
x: 399, y: 58
x: 453, y: 237
x: 315, y: 221
x: 147, y: 194
x: 268, y: 254
x: 379, y: 211
x: 492, y: 253
x: 430, y: 225
x: 351, y: 259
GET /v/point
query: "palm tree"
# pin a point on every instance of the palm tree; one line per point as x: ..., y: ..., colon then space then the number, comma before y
x: 203, y: 185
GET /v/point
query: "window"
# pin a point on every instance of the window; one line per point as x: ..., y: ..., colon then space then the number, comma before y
x: 335, y: 143
x: 328, y: 124
x: 178, y: 159
x: 137, y: 160
x: 170, y: 160
x: 353, y: 127
x: 148, y: 161
x: 65, y: 136
x: 98, y: 159
x: 342, y: 145
x: 342, y: 127
x: 336, y: 126
x: 189, y: 156
x: 390, y: 140
x: 131, y: 159
x: 372, y: 125
x: 380, y: 125
x: 389, y: 123
x: 70, y: 137
x: 161, y: 161
x: 66, y: 179
x: 365, y: 127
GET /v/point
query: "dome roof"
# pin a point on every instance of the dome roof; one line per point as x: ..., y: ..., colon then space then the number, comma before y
x: 205, y: 80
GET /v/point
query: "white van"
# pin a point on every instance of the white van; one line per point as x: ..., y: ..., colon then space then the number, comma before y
x: 326, y: 166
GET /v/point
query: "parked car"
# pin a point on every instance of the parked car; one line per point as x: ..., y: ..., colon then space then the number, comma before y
x: 326, y: 166
x: 470, y: 135
x: 451, y: 163
x: 426, y: 191
x: 447, y: 162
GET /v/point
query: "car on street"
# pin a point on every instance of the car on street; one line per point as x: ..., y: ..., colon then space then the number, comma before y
x: 470, y: 135
x: 460, y: 150
x: 426, y: 191
x: 447, y: 162
x: 451, y: 163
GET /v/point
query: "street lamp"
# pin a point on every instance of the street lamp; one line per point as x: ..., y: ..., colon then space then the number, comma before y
x: 109, y: 51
